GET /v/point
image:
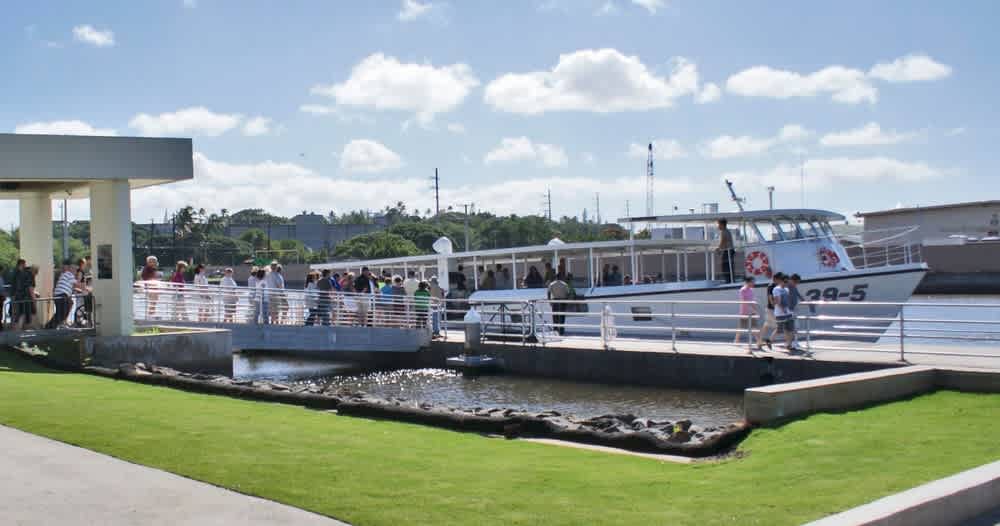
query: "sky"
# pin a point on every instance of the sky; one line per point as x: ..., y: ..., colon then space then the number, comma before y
x: 333, y: 106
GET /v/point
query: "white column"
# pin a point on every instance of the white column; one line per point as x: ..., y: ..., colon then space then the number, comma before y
x: 36, y: 247
x: 111, y: 235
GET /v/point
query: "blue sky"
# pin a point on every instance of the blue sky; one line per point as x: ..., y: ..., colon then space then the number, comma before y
x: 334, y: 105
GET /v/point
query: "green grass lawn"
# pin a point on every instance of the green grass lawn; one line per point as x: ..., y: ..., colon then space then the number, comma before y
x: 376, y: 472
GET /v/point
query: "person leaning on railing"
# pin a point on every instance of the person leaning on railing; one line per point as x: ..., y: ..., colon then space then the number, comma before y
x: 62, y: 295
x: 229, y: 297
x: 421, y: 301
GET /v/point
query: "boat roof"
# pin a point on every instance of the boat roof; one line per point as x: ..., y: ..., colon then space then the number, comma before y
x: 796, y: 214
x: 599, y: 247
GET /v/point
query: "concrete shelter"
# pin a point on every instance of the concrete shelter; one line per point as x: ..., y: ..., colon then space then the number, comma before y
x: 35, y: 169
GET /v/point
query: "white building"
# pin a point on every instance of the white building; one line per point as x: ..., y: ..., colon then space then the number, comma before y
x: 941, y: 224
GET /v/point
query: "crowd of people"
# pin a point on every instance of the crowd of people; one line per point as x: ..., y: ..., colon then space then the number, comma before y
x: 327, y: 298
x: 782, y: 300
x: 72, y: 285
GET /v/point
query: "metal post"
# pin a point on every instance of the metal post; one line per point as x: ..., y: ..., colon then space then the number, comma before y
x: 808, y: 332
x: 750, y: 332
x: 902, y: 335
x: 673, y: 327
x: 604, y: 325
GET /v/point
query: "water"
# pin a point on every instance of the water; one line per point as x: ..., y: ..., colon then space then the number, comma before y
x: 442, y: 387
x: 977, y: 334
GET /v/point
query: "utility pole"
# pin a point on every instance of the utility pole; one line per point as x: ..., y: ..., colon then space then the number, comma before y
x: 467, y: 205
x: 65, y: 232
x: 548, y: 203
x: 597, y: 198
x: 770, y: 197
x: 649, y: 181
x: 437, y: 194
x: 628, y: 214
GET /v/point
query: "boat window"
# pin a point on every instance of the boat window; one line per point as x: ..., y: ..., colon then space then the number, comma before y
x: 781, y: 233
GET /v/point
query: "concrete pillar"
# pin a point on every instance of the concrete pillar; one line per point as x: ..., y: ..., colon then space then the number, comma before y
x: 36, y: 247
x: 111, y: 256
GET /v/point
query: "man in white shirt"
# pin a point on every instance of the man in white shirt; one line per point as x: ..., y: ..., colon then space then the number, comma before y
x: 63, y: 295
x: 411, y: 283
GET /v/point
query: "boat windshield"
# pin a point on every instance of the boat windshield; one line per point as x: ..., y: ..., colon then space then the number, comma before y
x: 789, y: 229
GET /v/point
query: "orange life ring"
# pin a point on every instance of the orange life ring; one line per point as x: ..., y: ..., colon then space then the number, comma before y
x: 752, y: 267
x: 828, y: 258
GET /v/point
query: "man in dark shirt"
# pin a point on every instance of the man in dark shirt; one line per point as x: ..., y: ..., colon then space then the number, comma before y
x: 324, y: 287
x: 726, y: 251
x: 23, y: 296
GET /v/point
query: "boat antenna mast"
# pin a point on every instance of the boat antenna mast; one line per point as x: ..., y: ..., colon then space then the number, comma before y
x: 739, y: 203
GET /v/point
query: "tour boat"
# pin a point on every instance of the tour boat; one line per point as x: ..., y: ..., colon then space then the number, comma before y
x: 680, y: 265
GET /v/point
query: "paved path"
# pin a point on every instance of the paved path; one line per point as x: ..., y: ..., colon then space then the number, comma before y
x: 47, y: 482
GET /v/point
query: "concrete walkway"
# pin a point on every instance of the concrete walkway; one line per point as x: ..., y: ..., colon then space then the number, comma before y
x: 47, y: 482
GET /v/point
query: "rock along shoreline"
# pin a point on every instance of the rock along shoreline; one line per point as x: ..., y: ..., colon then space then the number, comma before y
x: 623, y: 431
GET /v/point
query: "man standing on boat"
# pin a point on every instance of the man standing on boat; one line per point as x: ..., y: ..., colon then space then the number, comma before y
x: 726, y: 250
x: 558, y: 293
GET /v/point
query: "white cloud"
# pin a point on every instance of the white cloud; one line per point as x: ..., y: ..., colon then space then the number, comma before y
x: 597, y: 80
x: 513, y: 149
x: 456, y: 127
x: 190, y: 4
x: 73, y: 127
x: 588, y: 157
x: 650, y: 5
x: 822, y: 174
x: 728, y: 146
x: 188, y: 121
x: 229, y: 182
x: 910, y: 68
x: 257, y: 126
x: 607, y: 8
x: 870, y: 134
x: 368, y: 156
x: 845, y: 85
x: 955, y: 131
x: 663, y: 150
x: 384, y: 83
x: 710, y: 92
x: 95, y: 37
x: 412, y: 10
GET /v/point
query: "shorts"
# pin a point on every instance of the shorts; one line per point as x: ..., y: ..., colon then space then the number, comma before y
x: 786, y: 323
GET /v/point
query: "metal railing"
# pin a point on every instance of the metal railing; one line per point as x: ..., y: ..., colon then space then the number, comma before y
x: 543, y: 321
x: 886, y: 327
x: 883, y: 247
x: 898, y: 327
x: 213, y: 304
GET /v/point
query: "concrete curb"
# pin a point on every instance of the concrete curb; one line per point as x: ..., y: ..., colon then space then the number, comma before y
x: 950, y: 500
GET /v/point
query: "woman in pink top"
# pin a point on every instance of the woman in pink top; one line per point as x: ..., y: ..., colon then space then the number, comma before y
x: 748, y: 319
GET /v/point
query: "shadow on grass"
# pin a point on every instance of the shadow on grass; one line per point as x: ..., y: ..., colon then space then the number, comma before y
x: 16, y: 361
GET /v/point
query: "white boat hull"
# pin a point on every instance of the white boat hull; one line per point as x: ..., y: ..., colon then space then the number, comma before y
x: 646, y: 309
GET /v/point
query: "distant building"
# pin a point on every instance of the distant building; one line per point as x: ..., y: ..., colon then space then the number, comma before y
x: 311, y: 229
x: 939, y: 224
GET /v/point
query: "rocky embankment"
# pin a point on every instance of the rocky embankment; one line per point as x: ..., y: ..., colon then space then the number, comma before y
x: 619, y: 430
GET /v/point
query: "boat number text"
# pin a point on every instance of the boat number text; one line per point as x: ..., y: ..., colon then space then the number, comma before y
x: 858, y: 293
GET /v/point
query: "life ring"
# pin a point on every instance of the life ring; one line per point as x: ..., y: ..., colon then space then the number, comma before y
x: 828, y: 258
x: 758, y: 264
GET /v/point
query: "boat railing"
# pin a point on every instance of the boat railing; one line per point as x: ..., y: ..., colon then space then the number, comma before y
x: 883, y: 247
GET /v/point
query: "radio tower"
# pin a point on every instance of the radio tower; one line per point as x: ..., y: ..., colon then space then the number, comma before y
x: 649, y: 182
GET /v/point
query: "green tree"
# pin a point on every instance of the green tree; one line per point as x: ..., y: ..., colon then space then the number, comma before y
x: 376, y: 245
x: 255, y: 237
x: 77, y: 250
